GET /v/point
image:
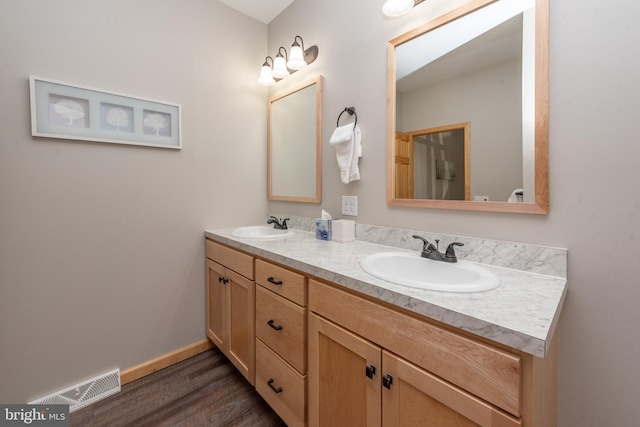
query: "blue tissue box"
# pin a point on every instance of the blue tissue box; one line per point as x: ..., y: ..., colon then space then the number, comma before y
x: 323, y: 229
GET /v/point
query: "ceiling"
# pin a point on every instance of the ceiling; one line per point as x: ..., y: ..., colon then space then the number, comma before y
x: 501, y: 43
x: 262, y: 10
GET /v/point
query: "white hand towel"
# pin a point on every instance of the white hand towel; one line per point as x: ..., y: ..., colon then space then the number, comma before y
x: 354, y: 170
x: 341, y: 134
x: 347, y: 142
x: 514, y: 198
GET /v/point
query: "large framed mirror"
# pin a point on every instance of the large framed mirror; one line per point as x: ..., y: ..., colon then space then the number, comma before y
x: 295, y: 144
x: 485, y: 65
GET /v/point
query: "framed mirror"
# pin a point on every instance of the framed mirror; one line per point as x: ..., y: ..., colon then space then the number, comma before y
x: 483, y: 65
x: 295, y: 144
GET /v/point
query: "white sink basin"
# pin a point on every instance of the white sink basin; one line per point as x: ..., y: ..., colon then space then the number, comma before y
x: 260, y: 232
x: 410, y: 269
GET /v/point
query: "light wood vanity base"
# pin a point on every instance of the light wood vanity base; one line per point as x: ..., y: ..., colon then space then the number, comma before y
x: 323, y: 355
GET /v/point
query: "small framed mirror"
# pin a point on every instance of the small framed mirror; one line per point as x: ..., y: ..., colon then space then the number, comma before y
x: 485, y: 65
x: 295, y: 144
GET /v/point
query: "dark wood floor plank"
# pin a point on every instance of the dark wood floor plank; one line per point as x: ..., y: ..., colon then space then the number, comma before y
x: 205, y: 390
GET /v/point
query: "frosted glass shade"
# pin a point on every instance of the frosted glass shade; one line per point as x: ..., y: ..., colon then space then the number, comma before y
x: 280, y: 67
x: 266, y: 78
x: 397, y: 7
x: 296, y: 58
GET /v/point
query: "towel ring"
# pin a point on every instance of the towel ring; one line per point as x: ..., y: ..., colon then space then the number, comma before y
x: 351, y: 111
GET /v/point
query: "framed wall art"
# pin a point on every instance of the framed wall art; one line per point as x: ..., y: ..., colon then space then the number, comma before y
x: 63, y: 110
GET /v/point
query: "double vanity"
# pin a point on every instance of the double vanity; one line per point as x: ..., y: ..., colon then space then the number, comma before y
x: 332, y: 334
x: 388, y: 330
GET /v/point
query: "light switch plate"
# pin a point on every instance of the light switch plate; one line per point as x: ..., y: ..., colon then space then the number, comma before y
x: 350, y: 205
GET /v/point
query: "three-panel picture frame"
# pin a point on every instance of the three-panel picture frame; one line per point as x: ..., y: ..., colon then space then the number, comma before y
x: 63, y: 110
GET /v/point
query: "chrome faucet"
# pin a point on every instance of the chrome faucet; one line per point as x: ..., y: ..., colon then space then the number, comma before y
x: 432, y: 252
x: 277, y: 224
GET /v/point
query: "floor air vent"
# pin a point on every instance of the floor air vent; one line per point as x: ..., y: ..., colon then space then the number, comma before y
x: 86, y: 393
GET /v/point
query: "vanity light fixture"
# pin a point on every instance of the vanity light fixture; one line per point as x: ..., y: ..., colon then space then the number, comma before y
x: 281, y: 67
x: 266, y: 76
x: 395, y: 8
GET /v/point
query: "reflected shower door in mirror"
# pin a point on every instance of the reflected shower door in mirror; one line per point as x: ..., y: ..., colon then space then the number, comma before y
x: 484, y: 64
x: 433, y: 163
x: 295, y: 138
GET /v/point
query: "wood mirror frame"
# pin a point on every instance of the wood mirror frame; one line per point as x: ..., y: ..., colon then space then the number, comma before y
x: 295, y: 170
x: 541, y: 155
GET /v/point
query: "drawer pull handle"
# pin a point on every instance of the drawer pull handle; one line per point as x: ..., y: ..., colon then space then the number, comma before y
x: 387, y: 380
x: 370, y: 371
x: 275, y: 389
x: 274, y: 281
x: 276, y: 327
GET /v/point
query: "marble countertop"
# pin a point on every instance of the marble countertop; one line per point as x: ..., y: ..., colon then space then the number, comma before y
x: 521, y: 313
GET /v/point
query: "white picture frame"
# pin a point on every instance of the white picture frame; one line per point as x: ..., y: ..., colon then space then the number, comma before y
x: 68, y: 111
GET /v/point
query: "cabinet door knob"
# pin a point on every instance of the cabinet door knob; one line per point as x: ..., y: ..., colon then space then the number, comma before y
x: 387, y: 380
x: 274, y: 281
x: 275, y: 389
x: 276, y: 327
x: 370, y: 371
x: 221, y: 279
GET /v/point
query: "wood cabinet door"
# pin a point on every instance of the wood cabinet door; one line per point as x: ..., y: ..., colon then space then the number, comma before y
x: 403, y: 159
x: 216, y: 305
x: 340, y: 392
x: 241, y: 294
x: 415, y: 397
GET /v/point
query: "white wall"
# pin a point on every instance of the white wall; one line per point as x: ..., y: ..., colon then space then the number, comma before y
x: 595, y: 205
x: 101, y: 245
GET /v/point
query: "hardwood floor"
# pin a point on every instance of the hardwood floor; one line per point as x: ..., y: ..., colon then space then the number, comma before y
x: 204, y: 390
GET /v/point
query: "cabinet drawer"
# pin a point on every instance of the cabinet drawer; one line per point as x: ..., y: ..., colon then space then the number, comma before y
x: 485, y: 371
x: 287, y: 333
x: 235, y: 260
x: 289, y: 401
x: 284, y: 282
